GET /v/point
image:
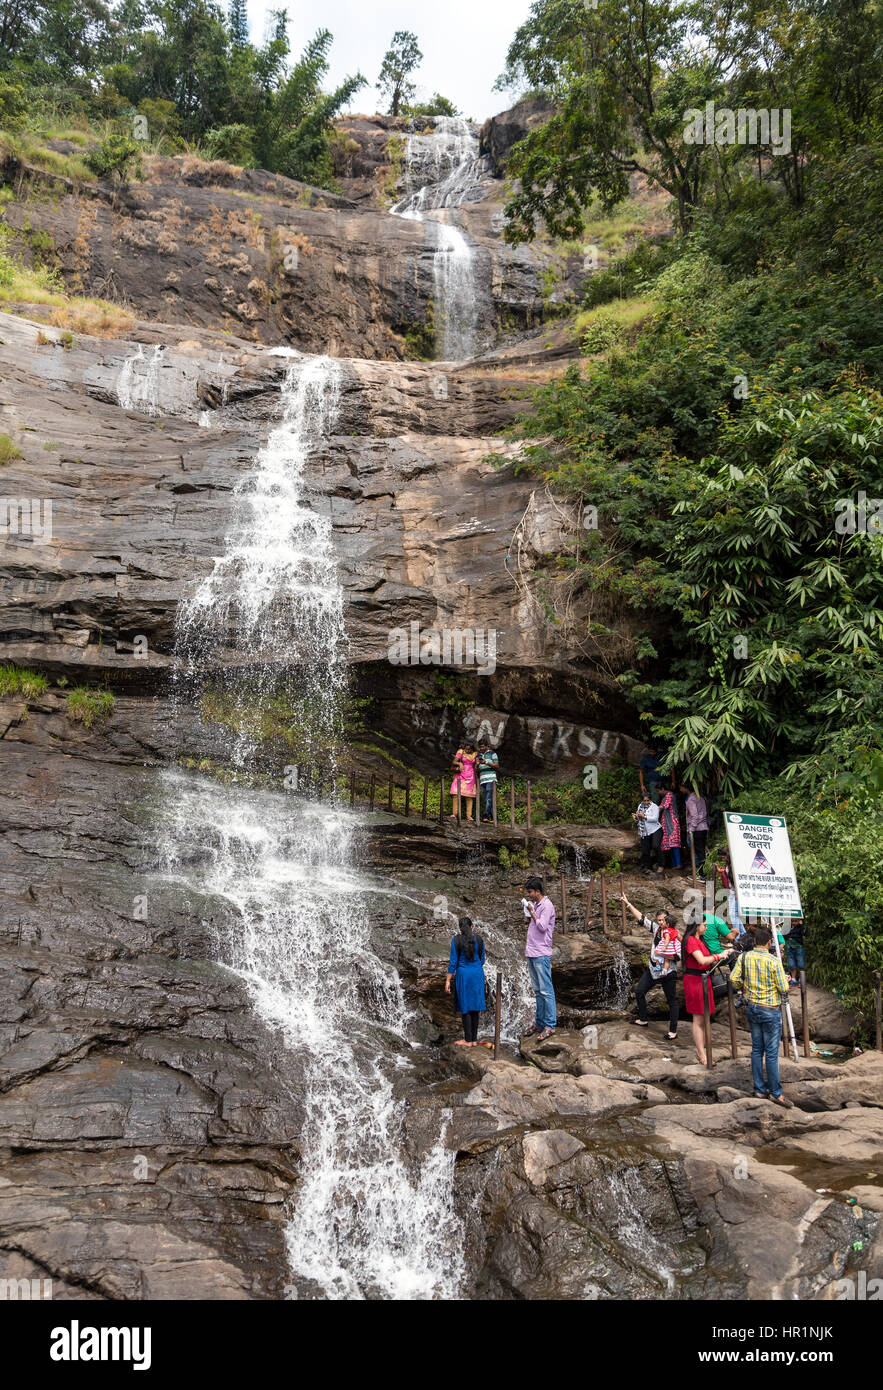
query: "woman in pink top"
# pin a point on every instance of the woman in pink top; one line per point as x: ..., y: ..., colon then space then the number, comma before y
x: 465, y: 759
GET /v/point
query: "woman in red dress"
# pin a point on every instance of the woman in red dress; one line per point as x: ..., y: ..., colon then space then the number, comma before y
x: 696, y: 961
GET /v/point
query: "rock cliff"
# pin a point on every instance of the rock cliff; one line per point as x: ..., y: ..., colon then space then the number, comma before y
x: 157, y: 1120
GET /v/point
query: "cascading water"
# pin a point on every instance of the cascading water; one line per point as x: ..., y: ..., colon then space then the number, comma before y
x: 138, y: 386
x: 443, y: 170
x: 365, y: 1220
x: 159, y: 384
x: 615, y: 985
x: 453, y: 274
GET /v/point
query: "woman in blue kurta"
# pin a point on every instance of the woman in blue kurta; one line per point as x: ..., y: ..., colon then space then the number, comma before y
x: 466, y: 969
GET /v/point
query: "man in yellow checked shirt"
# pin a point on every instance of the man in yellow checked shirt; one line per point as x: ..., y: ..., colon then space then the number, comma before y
x: 766, y: 986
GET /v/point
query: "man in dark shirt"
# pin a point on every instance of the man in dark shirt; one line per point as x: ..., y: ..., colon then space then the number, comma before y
x: 794, y: 952
x: 656, y: 781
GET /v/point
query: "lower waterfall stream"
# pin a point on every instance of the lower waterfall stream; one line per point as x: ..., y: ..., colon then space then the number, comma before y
x: 364, y: 1221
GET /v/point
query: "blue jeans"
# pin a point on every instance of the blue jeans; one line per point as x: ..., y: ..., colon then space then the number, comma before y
x: 795, y: 956
x: 487, y: 799
x: 766, y: 1036
x: 735, y: 919
x: 540, y: 970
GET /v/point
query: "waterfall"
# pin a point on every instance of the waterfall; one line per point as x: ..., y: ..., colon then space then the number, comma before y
x: 365, y: 1221
x: 615, y: 985
x: 158, y: 384
x: 443, y: 170
x: 139, y: 390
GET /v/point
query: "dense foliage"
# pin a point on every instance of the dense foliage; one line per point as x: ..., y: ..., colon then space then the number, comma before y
x: 186, y: 67
x: 633, y: 80
x: 733, y: 447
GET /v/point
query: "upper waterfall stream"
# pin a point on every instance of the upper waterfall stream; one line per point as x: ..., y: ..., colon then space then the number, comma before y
x: 443, y: 171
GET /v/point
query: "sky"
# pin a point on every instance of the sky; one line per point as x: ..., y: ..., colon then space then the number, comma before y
x: 463, y: 42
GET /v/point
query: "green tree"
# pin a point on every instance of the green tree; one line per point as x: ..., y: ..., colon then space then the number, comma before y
x: 436, y: 106
x: 623, y: 76
x: 402, y: 57
x: 239, y: 23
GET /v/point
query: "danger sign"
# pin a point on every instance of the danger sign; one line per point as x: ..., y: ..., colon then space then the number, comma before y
x: 763, y: 868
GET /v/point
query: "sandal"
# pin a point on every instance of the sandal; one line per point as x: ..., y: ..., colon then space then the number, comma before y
x: 640, y: 1023
x: 534, y: 1028
x: 761, y: 1095
x: 671, y: 1036
x: 782, y: 1103
x: 546, y: 1033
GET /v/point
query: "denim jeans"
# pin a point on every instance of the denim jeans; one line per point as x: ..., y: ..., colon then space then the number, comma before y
x: 735, y: 919
x: 766, y: 1036
x: 487, y: 799
x: 795, y: 955
x: 540, y: 970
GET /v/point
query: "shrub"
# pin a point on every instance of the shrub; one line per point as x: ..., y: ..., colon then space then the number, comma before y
x: 118, y: 154
x: 8, y: 449
x: 16, y: 681
x: 89, y: 707
x: 628, y: 275
x: 602, y: 333
x: 13, y: 104
x: 235, y: 143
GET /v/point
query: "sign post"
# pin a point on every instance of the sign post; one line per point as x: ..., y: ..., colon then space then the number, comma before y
x: 764, y: 878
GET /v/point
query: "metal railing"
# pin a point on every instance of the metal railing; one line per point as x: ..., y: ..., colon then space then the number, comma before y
x: 377, y: 790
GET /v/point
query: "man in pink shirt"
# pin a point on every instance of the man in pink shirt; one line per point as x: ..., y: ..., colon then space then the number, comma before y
x: 697, y: 827
x: 541, y: 928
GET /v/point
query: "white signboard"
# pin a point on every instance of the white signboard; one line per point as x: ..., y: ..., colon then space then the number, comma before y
x: 763, y: 869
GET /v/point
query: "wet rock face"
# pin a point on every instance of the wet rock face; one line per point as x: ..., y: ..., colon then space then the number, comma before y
x: 150, y: 1123
x: 142, y: 499
x: 270, y: 259
x: 608, y: 1186
x: 148, y: 1120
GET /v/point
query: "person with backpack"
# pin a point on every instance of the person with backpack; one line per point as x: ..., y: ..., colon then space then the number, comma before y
x: 466, y: 970
x: 662, y: 969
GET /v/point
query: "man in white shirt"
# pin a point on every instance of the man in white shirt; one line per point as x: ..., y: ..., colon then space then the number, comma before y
x: 650, y: 831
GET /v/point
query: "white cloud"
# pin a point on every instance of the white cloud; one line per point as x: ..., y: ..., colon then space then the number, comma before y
x: 463, y: 42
